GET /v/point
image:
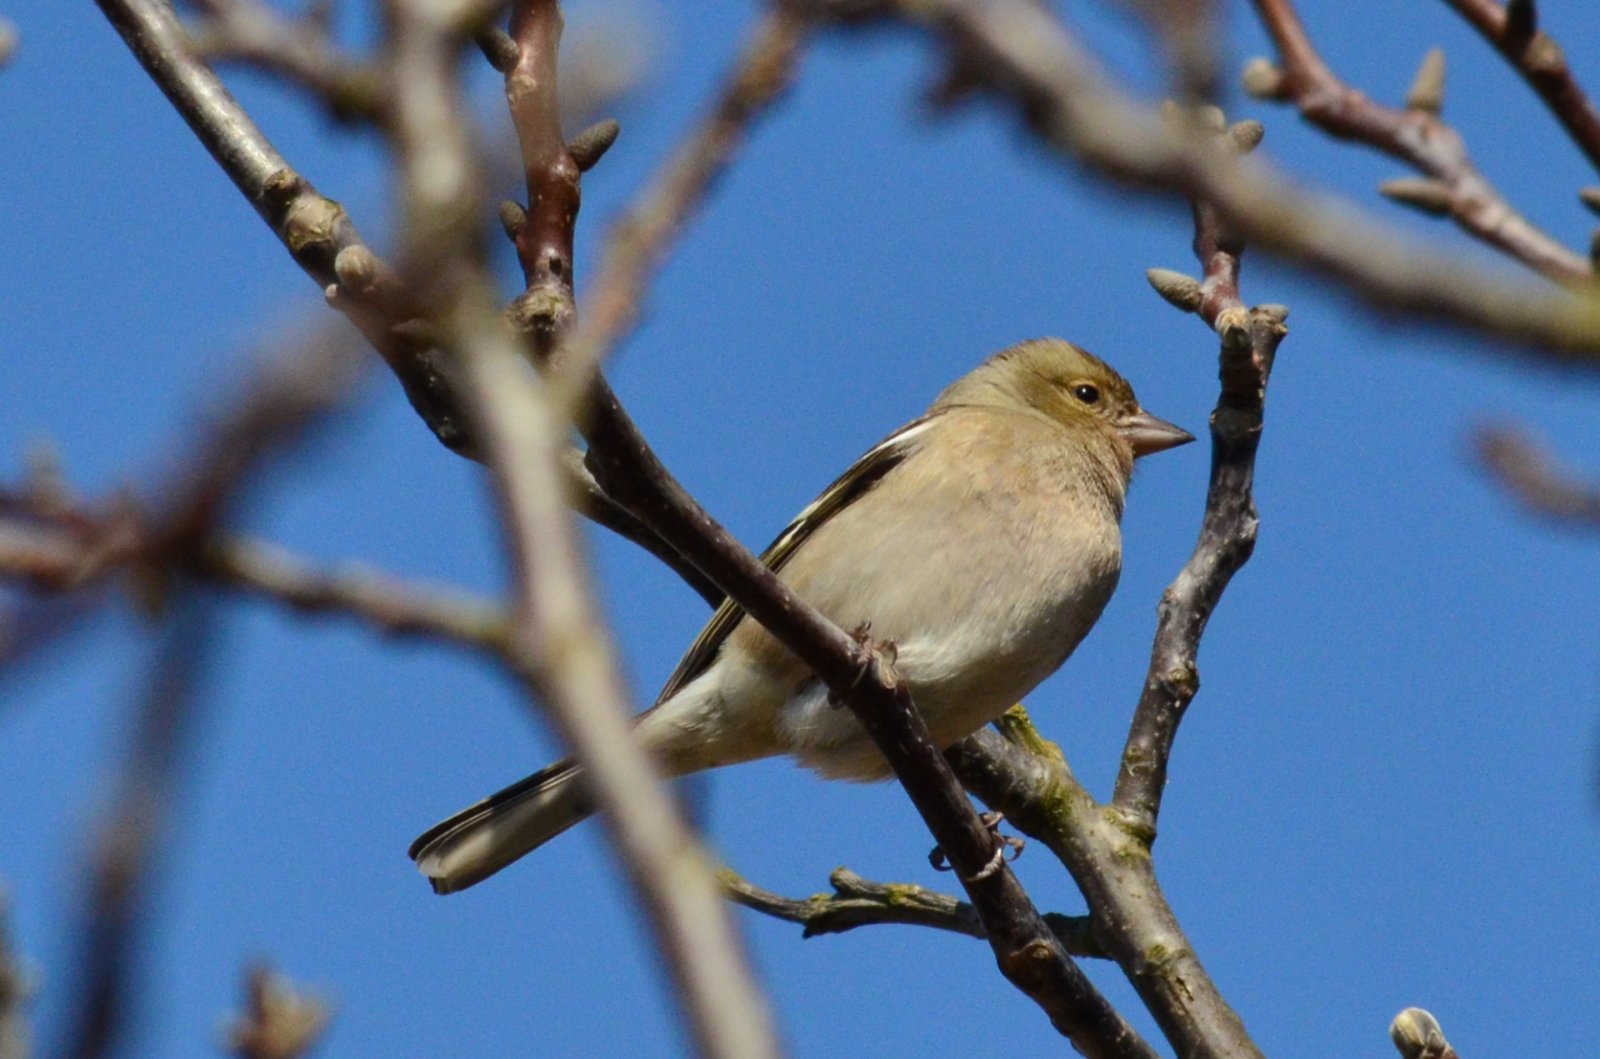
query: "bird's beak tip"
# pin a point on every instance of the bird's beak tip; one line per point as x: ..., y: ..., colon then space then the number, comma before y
x: 1149, y: 434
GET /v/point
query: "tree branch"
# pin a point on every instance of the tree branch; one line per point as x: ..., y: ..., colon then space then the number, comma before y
x: 1416, y: 136
x: 1019, y: 51
x: 1543, y: 64
x: 1250, y: 340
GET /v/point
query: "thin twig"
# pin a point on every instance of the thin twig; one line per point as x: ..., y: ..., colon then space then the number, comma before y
x: 658, y: 214
x: 1249, y: 344
x: 857, y: 902
x: 1535, y: 478
x: 1543, y: 64
x: 1416, y: 136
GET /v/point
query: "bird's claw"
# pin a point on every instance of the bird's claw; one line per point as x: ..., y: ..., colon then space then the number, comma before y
x: 1002, y: 845
x: 877, y: 652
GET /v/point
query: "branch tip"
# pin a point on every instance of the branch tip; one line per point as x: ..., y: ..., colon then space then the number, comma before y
x: 1427, y: 90
x: 1590, y: 197
x: 590, y: 145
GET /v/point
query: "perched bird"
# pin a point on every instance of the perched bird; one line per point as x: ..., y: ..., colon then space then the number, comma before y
x: 982, y: 541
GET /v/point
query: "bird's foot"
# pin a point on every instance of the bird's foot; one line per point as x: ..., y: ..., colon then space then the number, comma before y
x: 1003, y: 844
x: 877, y: 652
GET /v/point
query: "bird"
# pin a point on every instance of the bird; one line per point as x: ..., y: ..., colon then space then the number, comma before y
x: 978, y: 544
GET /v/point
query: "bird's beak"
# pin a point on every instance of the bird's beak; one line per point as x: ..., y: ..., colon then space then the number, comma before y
x: 1148, y: 434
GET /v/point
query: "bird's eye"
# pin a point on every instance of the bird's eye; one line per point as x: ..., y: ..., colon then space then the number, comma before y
x: 1086, y: 393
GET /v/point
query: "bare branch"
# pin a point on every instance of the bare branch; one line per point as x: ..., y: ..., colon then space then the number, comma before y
x: 1024, y: 54
x: 1416, y: 136
x: 1025, y: 777
x: 1249, y: 344
x: 1543, y: 64
x: 857, y: 902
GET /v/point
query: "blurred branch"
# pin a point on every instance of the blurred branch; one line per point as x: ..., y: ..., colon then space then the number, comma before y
x: 299, y: 50
x: 313, y: 228
x: 857, y: 902
x: 279, y: 1021
x: 1414, y: 135
x: 1021, y: 52
x: 1542, y: 63
x: 1417, y: 1035
x: 1531, y: 475
x: 129, y: 838
x: 276, y: 408
x: 1187, y: 30
x: 561, y: 652
x: 14, y: 991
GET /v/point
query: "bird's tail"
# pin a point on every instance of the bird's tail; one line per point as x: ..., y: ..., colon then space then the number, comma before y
x: 483, y: 838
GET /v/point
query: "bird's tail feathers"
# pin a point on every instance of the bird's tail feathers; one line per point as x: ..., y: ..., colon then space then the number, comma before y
x: 483, y: 838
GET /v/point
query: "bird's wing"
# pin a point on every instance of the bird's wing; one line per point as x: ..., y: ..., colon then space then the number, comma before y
x: 849, y: 487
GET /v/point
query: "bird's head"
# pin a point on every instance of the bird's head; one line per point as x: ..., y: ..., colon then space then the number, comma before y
x: 1071, y: 386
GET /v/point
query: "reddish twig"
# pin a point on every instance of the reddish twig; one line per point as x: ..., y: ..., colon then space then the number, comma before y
x: 1416, y: 136
x: 1542, y: 63
x: 640, y: 239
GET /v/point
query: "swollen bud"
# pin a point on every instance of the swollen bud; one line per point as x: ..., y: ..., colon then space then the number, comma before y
x: 1429, y: 196
x: 1427, y: 90
x: 1182, y: 292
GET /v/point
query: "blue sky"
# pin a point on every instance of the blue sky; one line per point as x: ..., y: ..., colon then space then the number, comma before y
x: 1384, y: 794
